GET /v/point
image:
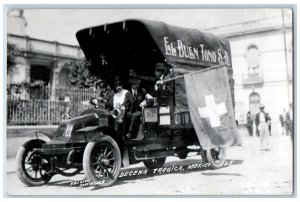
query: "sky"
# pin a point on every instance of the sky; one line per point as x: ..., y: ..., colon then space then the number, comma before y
x: 62, y: 24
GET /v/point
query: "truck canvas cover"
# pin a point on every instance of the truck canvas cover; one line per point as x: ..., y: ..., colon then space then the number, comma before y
x: 139, y: 44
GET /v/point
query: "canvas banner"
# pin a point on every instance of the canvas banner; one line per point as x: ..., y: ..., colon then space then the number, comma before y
x: 211, y: 108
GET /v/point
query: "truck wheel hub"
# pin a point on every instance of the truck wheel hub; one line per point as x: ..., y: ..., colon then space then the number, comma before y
x: 105, y: 161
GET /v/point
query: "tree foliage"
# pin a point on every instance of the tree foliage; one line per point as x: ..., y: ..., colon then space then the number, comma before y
x: 80, y: 75
x: 12, y: 53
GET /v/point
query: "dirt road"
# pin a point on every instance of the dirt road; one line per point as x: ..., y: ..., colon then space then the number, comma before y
x: 248, y: 171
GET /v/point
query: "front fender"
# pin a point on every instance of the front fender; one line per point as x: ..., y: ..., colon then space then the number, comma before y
x: 47, y: 133
x: 105, y: 130
x: 91, y: 133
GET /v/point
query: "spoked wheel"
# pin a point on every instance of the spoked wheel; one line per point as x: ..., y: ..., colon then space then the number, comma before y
x: 216, y: 157
x: 32, y: 167
x: 102, y: 161
x: 154, y: 163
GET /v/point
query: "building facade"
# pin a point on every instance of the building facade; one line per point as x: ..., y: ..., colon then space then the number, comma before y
x: 262, y: 58
x: 42, y: 62
x: 39, y: 91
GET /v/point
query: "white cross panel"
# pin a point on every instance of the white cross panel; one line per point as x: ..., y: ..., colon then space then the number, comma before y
x: 212, y: 111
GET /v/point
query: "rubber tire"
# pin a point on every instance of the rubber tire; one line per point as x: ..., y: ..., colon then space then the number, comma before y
x: 22, y: 152
x: 154, y: 163
x: 87, y: 160
x: 213, y: 164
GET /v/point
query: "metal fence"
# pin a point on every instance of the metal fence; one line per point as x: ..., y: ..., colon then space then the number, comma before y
x: 75, y: 94
x: 45, y: 111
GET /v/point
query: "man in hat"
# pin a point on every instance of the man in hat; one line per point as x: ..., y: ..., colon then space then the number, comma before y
x: 132, y: 73
x: 138, y: 93
x: 135, y: 115
x: 106, y: 93
x: 261, y: 120
x: 163, y: 88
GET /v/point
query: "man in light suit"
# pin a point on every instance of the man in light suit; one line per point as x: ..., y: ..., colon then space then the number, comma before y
x: 262, y: 119
x: 122, y: 98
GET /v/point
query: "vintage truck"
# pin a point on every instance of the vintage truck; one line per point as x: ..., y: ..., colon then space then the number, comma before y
x: 91, y: 141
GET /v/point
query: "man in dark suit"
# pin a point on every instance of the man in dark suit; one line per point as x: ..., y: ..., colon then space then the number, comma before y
x: 162, y: 87
x: 106, y: 94
x: 138, y: 95
x: 249, y: 123
x: 262, y: 119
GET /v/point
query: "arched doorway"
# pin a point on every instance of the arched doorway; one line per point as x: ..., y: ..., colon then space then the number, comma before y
x: 254, y: 102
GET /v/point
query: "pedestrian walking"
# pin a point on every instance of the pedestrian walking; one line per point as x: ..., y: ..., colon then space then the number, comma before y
x: 249, y: 123
x: 282, y: 121
x: 262, y: 120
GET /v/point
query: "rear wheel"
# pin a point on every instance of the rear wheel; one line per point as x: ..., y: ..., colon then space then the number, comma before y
x: 102, y: 161
x: 32, y: 167
x: 154, y: 163
x: 216, y: 157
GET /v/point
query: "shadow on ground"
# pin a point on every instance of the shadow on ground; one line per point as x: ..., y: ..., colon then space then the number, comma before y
x: 180, y: 167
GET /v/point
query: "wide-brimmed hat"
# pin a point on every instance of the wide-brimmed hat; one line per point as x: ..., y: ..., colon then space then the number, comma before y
x: 100, y: 83
x: 101, y: 80
x: 117, y: 81
x: 261, y: 106
x: 160, y: 66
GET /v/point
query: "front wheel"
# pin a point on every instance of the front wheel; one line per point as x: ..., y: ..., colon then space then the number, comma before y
x: 32, y: 167
x: 102, y: 161
x: 216, y: 157
x: 154, y: 163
